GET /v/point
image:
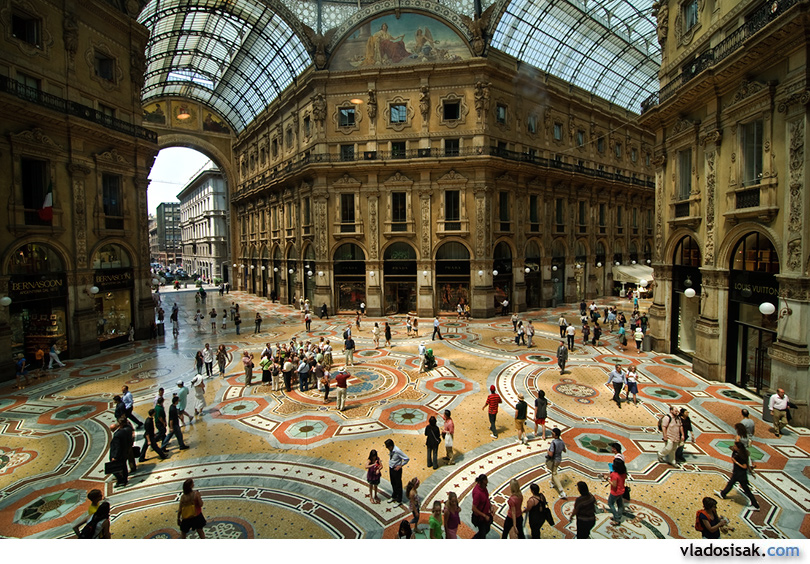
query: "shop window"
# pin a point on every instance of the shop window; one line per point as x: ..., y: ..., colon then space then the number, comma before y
x: 111, y: 256
x: 399, y: 211
x: 558, y: 131
x: 451, y: 147
x: 346, y: 117
x: 25, y: 27
x: 113, y: 206
x: 500, y: 114
x: 347, y: 216
x: 755, y: 253
x: 35, y: 182
x: 452, y: 210
x: 684, y: 174
x: 399, y: 113
x: 104, y: 66
x: 398, y: 150
x: 752, y: 153
x: 451, y: 110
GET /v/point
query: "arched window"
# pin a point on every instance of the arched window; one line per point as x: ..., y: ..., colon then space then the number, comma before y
x: 35, y: 258
x: 687, y: 253
x: 111, y: 256
x: 755, y: 253
x: 349, y: 251
x: 400, y: 251
x: 558, y: 249
x: 452, y: 250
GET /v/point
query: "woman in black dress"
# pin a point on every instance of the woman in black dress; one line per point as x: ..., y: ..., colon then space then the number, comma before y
x: 387, y: 334
x: 535, y: 506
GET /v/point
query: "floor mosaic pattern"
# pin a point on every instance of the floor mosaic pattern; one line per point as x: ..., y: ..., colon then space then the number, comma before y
x: 276, y: 464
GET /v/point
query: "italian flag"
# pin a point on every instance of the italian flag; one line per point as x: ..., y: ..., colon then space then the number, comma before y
x: 46, y: 212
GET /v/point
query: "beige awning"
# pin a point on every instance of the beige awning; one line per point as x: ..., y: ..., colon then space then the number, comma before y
x: 632, y: 273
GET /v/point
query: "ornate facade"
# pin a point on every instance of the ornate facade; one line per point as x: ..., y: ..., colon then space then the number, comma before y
x: 74, y: 254
x: 412, y: 182
x: 731, y: 245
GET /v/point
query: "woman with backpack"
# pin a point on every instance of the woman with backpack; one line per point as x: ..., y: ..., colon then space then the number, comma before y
x: 597, y: 333
x: 707, y: 521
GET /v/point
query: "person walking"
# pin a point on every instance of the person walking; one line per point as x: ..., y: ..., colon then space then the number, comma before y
x: 452, y: 516
x: 448, y: 432
x: 563, y: 323
x: 514, y: 512
x: 160, y: 419
x: 224, y: 357
x: 562, y: 356
x: 521, y: 407
x: 617, y: 379
x: 348, y: 350
x: 778, y: 406
x: 482, y: 513
x: 584, y: 511
x: 749, y: 424
x: 570, y: 333
x: 617, y: 477
x: 520, y: 337
x: 174, y: 425
x: 672, y: 431
x: 433, y: 439
x: 237, y: 322
x: 307, y: 321
x: 53, y: 354
x: 182, y: 393
x: 208, y: 360
x: 189, y: 511
x: 529, y: 334
x: 415, y: 324
x: 95, y: 497
x: 540, y: 413
x: 739, y: 474
x: 597, y: 332
x: 341, y: 381
x: 396, y: 460
x: 129, y: 405
x: 175, y: 319
x: 258, y: 322
x: 120, y: 446
x: 686, y: 423
x: 436, y: 330
x: 422, y: 350
x: 638, y: 335
x: 213, y: 315
x: 586, y: 333
x: 514, y: 322
x: 199, y: 394
x: 247, y: 362
x: 357, y: 321
x: 199, y: 363
x: 535, y: 506
x: 375, y: 335
x: 373, y: 473
x: 149, y: 438
x: 408, y: 325
x: 303, y: 374
x: 492, y: 401
x: 387, y: 334
x: 198, y: 317
x: 632, y: 385
x: 554, y: 459
x: 622, y: 338
x: 505, y: 307
x: 414, y: 503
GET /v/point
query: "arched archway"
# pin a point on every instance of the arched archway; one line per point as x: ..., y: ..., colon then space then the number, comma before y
x: 350, y: 276
x: 686, y: 295
x: 753, y: 287
x: 534, y: 277
x: 399, y: 268
x: 502, y: 273
x: 453, y: 275
x: 558, y: 257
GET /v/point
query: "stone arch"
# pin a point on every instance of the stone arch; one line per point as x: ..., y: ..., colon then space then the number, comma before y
x: 452, y: 240
x: 508, y: 242
x: 132, y: 255
x: 675, y: 238
x: 559, y: 248
x: 733, y: 236
x: 54, y: 245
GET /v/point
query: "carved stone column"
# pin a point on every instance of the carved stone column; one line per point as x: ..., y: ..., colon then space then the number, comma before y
x: 425, y: 297
x: 483, y: 294
x: 659, y: 327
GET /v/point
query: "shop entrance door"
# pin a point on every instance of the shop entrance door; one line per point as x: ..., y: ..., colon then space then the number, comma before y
x: 755, y: 364
x: 400, y: 297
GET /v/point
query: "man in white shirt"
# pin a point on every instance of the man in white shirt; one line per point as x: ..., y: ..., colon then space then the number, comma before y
x: 505, y: 307
x: 778, y: 406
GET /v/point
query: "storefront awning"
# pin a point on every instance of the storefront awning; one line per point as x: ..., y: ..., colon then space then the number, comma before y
x: 632, y: 273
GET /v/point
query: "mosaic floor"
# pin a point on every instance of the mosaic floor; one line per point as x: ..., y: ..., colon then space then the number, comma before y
x: 276, y: 465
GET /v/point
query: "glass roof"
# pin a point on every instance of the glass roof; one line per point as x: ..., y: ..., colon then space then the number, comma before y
x: 237, y: 56
x: 608, y: 47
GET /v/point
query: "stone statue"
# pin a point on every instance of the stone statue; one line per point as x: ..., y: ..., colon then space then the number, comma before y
x: 660, y: 9
x: 372, y: 105
x: 319, y: 107
x: 481, y: 98
x: 424, y: 102
x: 318, y: 43
x: 478, y: 29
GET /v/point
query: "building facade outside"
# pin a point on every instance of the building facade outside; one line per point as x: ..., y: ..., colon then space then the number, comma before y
x: 74, y: 250
x: 154, y: 246
x: 732, y: 244
x: 418, y: 186
x: 204, y: 225
x: 169, y: 234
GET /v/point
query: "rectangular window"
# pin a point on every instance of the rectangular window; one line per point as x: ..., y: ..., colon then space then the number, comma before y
x: 347, y: 213
x: 580, y: 138
x: 25, y: 28
x: 647, y: 159
x: 635, y: 218
x: 752, y: 153
x: 503, y: 210
x: 307, y: 126
x: 106, y: 111
x: 452, y: 210
x: 399, y: 211
x: 618, y: 150
x: 634, y: 154
x: 600, y: 144
x: 451, y: 147
x: 531, y: 124
x: 602, y: 215
x: 104, y: 66
x: 346, y: 117
x: 690, y: 14
x: 582, y: 217
x: 558, y: 132
x: 398, y: 150
x: 620, y: 216
x: 451, y: 110
x: 31, y: 86
x: 347, y: 152
x: 685, y: 174
x: 531, y: 154
x: 399, y: 113
x: 289, y: 213
x: 111, y: 197
x: 534, y: 213
x: 307, y: 211
x: 558, y: 211
x: 500, y: 113
x: 35, y: 180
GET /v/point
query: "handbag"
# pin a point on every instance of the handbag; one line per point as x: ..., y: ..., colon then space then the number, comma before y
x: 136, y: 451
x: 114, y: 467
x: 626, y: 494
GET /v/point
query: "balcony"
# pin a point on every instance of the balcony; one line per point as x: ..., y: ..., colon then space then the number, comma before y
x: 685, y: 213
x: 398, y: 228
x: 753, y: 202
